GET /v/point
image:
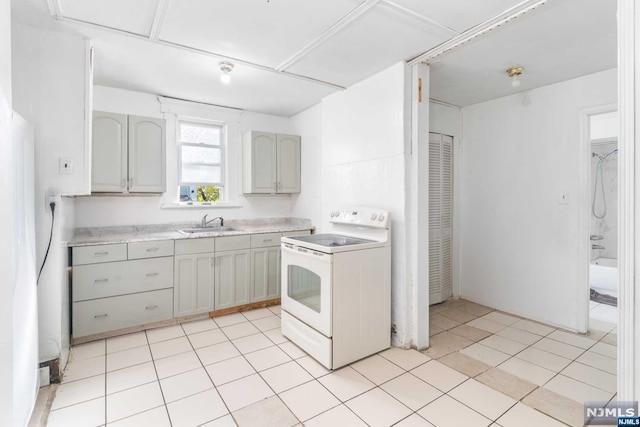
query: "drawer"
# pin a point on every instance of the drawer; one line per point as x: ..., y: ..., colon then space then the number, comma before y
x: 266, y: 239
x: 119, y: 278
x: 107, y: 314
x: 195, y: 246
x: 99, y: 253
x: 296, y: 233
x: 159, y: 248
x: 232, y: 243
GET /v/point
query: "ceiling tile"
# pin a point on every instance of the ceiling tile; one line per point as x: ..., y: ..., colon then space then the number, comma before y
x: 147, y: 67
x: 259, y: 31
x: 458, y: 14
x: 376, y: 40
x: 126, y: 15
x: 542, y: 41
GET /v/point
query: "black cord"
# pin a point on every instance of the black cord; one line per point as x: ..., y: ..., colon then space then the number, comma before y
x: 53, y: 208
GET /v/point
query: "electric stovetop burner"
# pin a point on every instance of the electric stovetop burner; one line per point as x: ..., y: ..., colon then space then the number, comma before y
x: 331, y: 240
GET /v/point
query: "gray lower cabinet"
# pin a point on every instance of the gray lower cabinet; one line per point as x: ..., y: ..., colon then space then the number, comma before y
x: 232, y: 276
x: 265, y: 274
x: 194, y: 284
x: 121, y: 285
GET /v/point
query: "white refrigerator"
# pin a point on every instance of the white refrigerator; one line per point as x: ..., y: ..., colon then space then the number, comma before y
x: 25, y: 298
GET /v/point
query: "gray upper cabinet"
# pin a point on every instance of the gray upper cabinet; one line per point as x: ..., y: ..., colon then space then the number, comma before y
x: 128, y: 154
x: 271, y: 163
x: 109, y: 152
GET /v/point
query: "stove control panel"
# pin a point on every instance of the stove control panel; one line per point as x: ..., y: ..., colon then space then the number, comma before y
x: 363, y: 217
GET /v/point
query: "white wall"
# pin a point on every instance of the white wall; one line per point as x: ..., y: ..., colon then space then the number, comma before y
x: 6, y: 219
x: 519, y: 246
x: 98, y: 211
x: 49, y: 92
x: 364, y: 139
x: 308, y: 204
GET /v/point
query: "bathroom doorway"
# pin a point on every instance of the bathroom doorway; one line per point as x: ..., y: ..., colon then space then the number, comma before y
x: 603, y: 218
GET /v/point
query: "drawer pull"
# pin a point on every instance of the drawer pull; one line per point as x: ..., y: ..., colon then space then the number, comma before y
x: 101, y: 280
x: 151, y: 307
x: 156, y: 249
x: 152, y: 274
x: 101, y: 253
x: 100, y: 316
x: 267, y: 240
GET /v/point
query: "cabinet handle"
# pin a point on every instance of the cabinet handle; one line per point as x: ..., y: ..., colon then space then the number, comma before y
x: 152, y: 274
x: 279, y: 185
x: 130, y: 182
x: 123, y: 184
x: 100, y: 253
x: 100, y: 316
x: 275, y: 186
x: 267, y: 240
x: 151, y: 307
x: 101, y: 280
x: 156, y: 249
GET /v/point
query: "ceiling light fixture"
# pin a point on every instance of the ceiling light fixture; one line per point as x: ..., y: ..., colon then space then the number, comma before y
x: 514, y: 73
x: 226, y: 68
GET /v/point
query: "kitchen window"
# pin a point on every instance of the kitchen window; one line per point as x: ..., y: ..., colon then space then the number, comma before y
x: 201, y: 161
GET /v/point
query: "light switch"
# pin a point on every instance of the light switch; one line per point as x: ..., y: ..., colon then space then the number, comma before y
x: 66, y: 166
x: 563, y: 198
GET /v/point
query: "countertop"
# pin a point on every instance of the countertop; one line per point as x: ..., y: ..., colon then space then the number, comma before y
x: 144, y: 233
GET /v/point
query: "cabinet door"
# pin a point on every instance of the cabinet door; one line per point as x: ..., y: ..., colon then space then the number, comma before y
x: 288, y: 159
x: 109, y: 152
x: 232, y: 275
x: 194, y: 284
x: 265, y: 274
x: 147, y: 147
x: 263, y: 162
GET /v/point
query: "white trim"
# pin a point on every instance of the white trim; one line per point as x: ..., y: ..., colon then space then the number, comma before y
x: 88, y: 114
x: 479, y: 30
x: 418, y: 209
x: 54, y: 8
x: 628, y: 159
x: 330, y: 32
x: 584, y: 214
x: 420, y: 17
x: 158, y: 19
x: 190, y: 109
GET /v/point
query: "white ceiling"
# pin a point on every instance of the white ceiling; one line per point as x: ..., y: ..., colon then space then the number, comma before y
x: 289, y: 54
x: 561, y: 40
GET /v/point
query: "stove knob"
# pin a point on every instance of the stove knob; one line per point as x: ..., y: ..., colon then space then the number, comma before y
x: 333, y: 213
x: 381, y: 218
x: 373, y: 217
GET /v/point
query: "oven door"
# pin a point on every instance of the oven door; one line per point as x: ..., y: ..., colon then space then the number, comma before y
x: 306, y: 286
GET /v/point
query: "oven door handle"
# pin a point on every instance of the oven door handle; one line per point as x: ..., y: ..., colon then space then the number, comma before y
x: 304, y: 252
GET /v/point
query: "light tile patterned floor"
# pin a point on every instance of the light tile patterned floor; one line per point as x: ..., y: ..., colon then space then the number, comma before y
x: 238, y: 370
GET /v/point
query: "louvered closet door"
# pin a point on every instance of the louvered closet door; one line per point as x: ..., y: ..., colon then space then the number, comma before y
x: 440, y: 217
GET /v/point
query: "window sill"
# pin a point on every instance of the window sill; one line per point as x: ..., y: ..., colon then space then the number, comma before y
x: 218, y: 205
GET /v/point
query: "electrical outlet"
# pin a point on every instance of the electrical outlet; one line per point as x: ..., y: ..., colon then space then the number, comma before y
x: 50, y: 197
x: 66, y: 166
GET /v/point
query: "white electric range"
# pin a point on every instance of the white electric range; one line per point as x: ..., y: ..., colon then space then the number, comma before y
x: 336, y: 288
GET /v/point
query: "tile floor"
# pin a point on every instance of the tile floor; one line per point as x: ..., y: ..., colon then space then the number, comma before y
x: 603, y: 312
x: 483, y: 368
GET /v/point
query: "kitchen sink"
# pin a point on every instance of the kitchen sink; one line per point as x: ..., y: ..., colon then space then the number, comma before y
x: 214, y: 229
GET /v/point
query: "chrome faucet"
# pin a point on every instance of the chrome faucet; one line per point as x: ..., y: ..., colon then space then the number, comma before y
x: 593, y: 246
x: 596, y: 237
x: 204, y: 222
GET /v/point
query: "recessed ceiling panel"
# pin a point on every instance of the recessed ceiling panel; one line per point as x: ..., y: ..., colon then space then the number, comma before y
x: 376, y: 40
x: 458, y: 14
x: 133, y: 16
x: 147, y: 67
x: 562, y: 40
x: 259, y: 31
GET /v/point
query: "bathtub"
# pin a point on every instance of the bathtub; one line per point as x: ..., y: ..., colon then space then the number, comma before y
x: 603, y: 276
